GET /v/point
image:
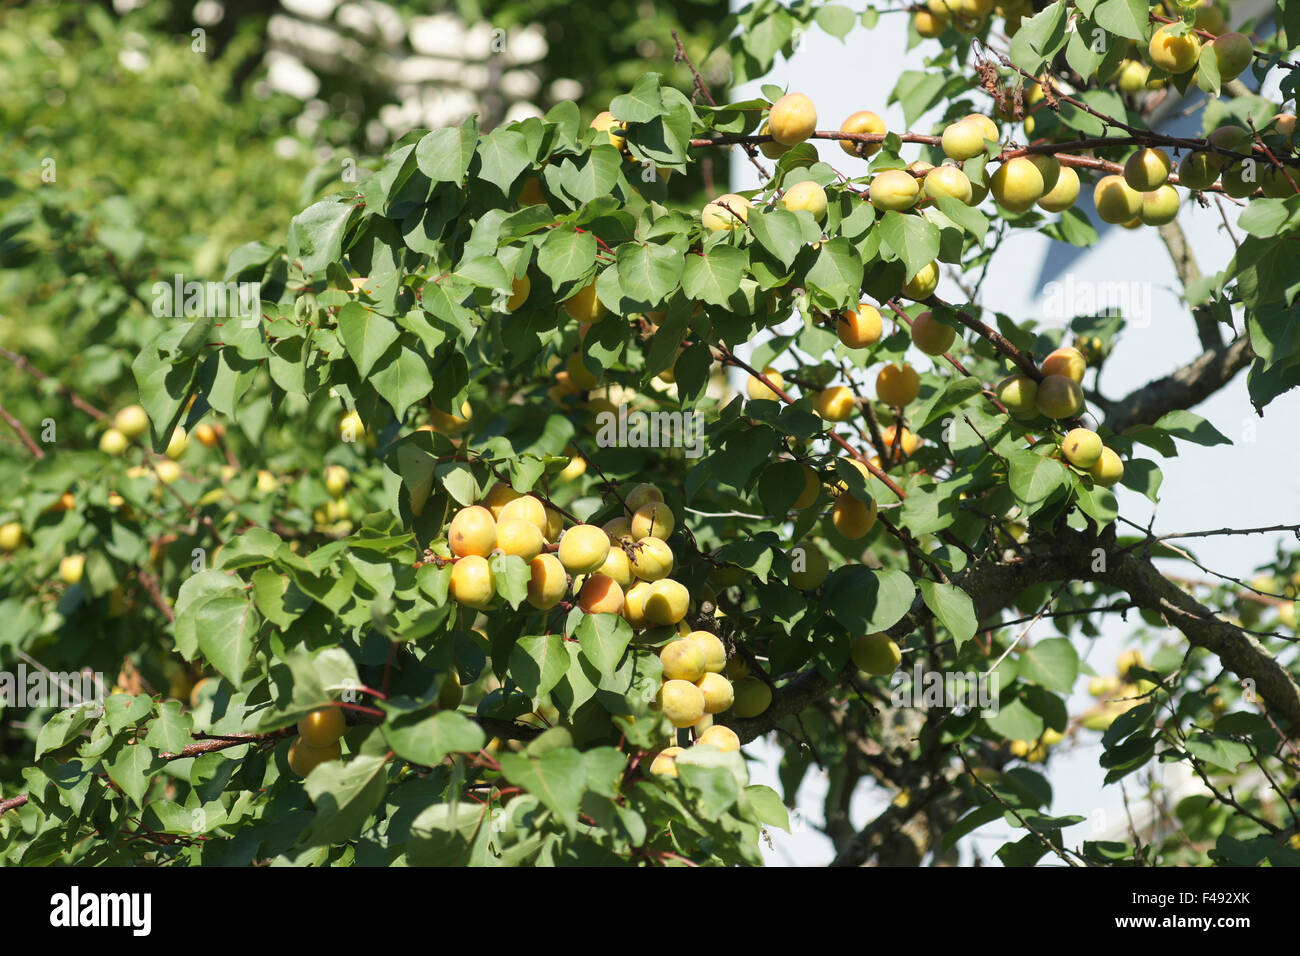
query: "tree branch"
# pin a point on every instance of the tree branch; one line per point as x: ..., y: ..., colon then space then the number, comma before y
x: 1182, y: 388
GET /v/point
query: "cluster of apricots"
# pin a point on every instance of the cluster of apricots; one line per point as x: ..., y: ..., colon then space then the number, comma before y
x: 1118, y: 692
x: 318, y: 739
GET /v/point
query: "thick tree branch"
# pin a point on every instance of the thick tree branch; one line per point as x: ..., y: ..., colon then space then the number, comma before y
x: 1182, y: 388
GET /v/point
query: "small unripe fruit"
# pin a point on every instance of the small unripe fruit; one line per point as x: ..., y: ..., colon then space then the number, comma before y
x: 718, y: 693
x: 322, y: 727
x: 519, y: 290
x: 930, y: 335
x: 1232, y: 53
x: 1082, y: 447
x: 11, y: 536
x: 666, y: 602
x: 725, y: 213
x: 547, y: 582
x: 792, y: 119
x: 1063, y: 195
x: 518, y: 537
x: 894, y: 189
x: 1174, y: 54
x: 177, y: 444
x: 1108, y: 469
x: 472, y: 531
x: 1067, y: 361
x: 585, y: 306
x: 1209, y: 17
x: 922, y: 285
x: 1240, y: 180
x: 715, y: 653
x: 168, y: 471
x: 964, y: 139
x: 131, y: 422
x: 876, y: 654
x: 642, y: 494
x: 948, y: 180
x: 471, y: 581
x: 1059, y: 397
x: 861, y: 328
x: 682, y: 702
x: 809, y: 567
x: 835, y: 403
x: 1146, y: 169
x: 1116, y: 201
x: 806, y: 195
x: 1159, y: 206
x: 304, y: 758
x: 1133, y: 76
x: 352, y: 428
x: 336, y: 480
x: 752, y: 697
x: 682, y: 660
x: 651, y: 559
x: 72, y: 568
x: 583, y: 548
x: 1017, y: 185
x: 451, y: 693
x: 601, y: 594
x: 1275, y: 183
x: 756, y: 388
x: 113, y: 442
x: 1197, y: 171
x: 863, y: 121
x: 853, y: 518
x: 653, y: 520
x: 898, y: 385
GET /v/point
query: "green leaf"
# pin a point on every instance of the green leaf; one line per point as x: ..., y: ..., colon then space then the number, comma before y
x: 1034, y: 478
x: 911, y: 238
x: 1127, y: 18
x: 557, y: 779
x: 1052, y: 663
x: 714, y: 275
x: 1191, y: 427
x: 63, y: 727
x: 537, y: 663
x: 644, y: 103
x: 778, y: 232
x: 170, y: 731
x: 1039, y: 37
x: 835, y: 19
x: 402, y: 378
x: 225, y: 625
x: 566, y: 254
x: 131, y: 766
x: 504, y: 155
x: 1222, y: 752
x: 763, y: 805
x: 427, y: 739
x: 366, y: 335
x: 837, y: 272
x: 953, y: 607
x: 444, y: 155
x: 316, y: 234
x: 345, y: 794
x: 865, y: 601
x: 1015, y: 721
x: 603, y: 639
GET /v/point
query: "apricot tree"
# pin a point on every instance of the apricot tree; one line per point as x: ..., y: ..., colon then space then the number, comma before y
x: 402, y: 505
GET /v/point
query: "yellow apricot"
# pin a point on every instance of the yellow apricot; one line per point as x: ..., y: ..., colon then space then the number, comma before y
x: 876, y: 654
x: 922, y: 285
x: 642, y: 494
x: 806, y: 195
x: 1116, y: 201
x: 752, y: 697
x: 653, y: 520
x: 1059, y: 397
x: 861, y: 328
x: 682, y: 660
x: 131, y: 421
x: 547, y: 582
x: 792, y: 119
x: 585, y: 306
x: 835, y: 403
x: 812, y: 487
x: 1082, y: 447
x: 601, y: 594
x: 618, y: 567
x: 664, y: 764
x: 863, y: 121
x: 948, y: 180
x: 1146, y: 169
x: 322, y: 727
x: 715, y: 652
x: 1067, y: 361
x: 500, y: 495
x: 525, y: 508
x: 1017, y: 184
x: 666, y: 602
x: 725, y: 213
x: 1174, y: 54
x: 583, y: 548
x: 898, y: 385
x: 894, y: 190
x: 724, y: 738
x: 304, y: 758
x: 681, y: 702
x: 634, y: 604
x: 518, y: 537
x: 718, y: 692
x: 808, y: 566
x: 1108, y: 469
x: 471, y: 581
x: 651, y: 558
x: 853, y: 518
x: 930, y: 335
x: 472, y: 531
x: 1064, y: 194
x: 756, y: 388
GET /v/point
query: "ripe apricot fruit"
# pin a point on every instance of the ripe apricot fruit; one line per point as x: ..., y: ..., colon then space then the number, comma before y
x: 651, y: 558
x: 1174, y: 54
x: 634, y: 603
x: 547, y: 582
x: 718, y: 693
x: 769, y: 148
x: 812, y: 486
x: 681, y: 702
x: 1082, y: 447
x: 863, y: 121
x: 964, y: 139
x: 792, y: 119
x: 654, y: 519
x: 922, y: 285
x: 948, y: 180
x: 894, y: 190
x: 711, y: 646
x: 498, y: 496
x: 853, y: 518
x: 930, y: 335
x: 876, y: 654
x: 806, y: 195
x: 605, y: 123
x: 1067, y: 361
x: 131, y: 421
x: 583, y: 548
x: 665, y: 763
x: 322, y: 727
x: 666, y: 602
x: 907, y: 443
x: 1159, y: 206
x: 584, y: 305
x: 1116, y: 201
x: 472, y: 531
x: 725, y: 213
x: 898, y: 385
x: 1108, y: 469
x: 519, y: 290
x: 525, y: 508
x: 304, y: 758
x: 835, y: 403
x: 1146, y: 169
x: 682, y: 659
x: 113, y: 442
x: 518, y: 537
x: 601, y: 594
x: 642, y: 494
x: 1017, y: 184
x: 11, y: 536
x: 756, y: 388
x: 617, y: 566
x: 471, y: 581
x: 1064, y: 194
x: 72, y: 568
